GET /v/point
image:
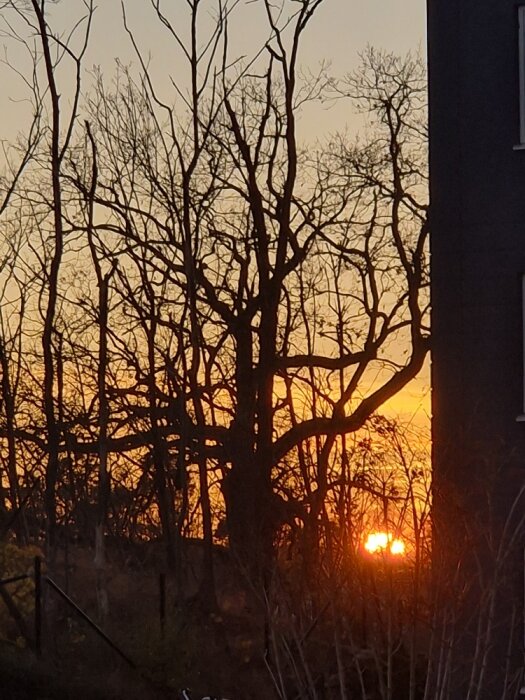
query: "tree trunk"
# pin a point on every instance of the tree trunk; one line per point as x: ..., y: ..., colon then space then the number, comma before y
x: 9, y: 410
x: 103, y: 474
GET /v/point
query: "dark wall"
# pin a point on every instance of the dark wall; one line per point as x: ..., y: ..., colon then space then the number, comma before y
x: 478, y: 224
x: 477, y: 194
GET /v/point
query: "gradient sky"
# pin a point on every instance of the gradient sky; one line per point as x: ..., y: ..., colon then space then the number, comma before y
x: 338, y: 32
x: 340, y: 29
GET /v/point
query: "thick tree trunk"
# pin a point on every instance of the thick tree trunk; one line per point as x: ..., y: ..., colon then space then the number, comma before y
x: 250, y: 508
x: 9, y: 410
x: 251, y: 525
x: 247, y: 487
x: 164, y: 503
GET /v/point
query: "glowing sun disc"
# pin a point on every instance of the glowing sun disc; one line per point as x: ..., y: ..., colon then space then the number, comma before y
x: 383, y: 541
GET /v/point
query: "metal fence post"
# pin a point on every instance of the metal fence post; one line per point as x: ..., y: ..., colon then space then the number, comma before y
x: 38, y: 605
x: 162, y: 603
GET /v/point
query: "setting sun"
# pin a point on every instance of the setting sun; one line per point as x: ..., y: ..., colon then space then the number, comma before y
x: 377, y: 542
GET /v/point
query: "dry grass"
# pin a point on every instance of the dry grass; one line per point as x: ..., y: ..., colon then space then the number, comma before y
x: 218, y: 652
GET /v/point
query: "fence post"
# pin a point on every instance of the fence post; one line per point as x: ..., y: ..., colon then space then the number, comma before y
x: 162, y: 603
x: 38, y: 605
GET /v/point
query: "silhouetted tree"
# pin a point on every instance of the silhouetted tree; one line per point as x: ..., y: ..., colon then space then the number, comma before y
x: 258, y: 301
x: 263, y: 249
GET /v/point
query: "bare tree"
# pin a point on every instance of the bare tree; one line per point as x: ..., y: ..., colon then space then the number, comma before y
x: 53, y: 50
x: 268, y: 249
x: 14, y: 291
x: 280, y: 291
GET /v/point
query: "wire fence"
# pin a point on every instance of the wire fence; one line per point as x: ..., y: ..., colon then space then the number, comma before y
x: 40, y: 580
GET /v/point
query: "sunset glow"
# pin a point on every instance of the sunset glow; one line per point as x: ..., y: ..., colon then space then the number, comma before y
x: 378, y: 542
